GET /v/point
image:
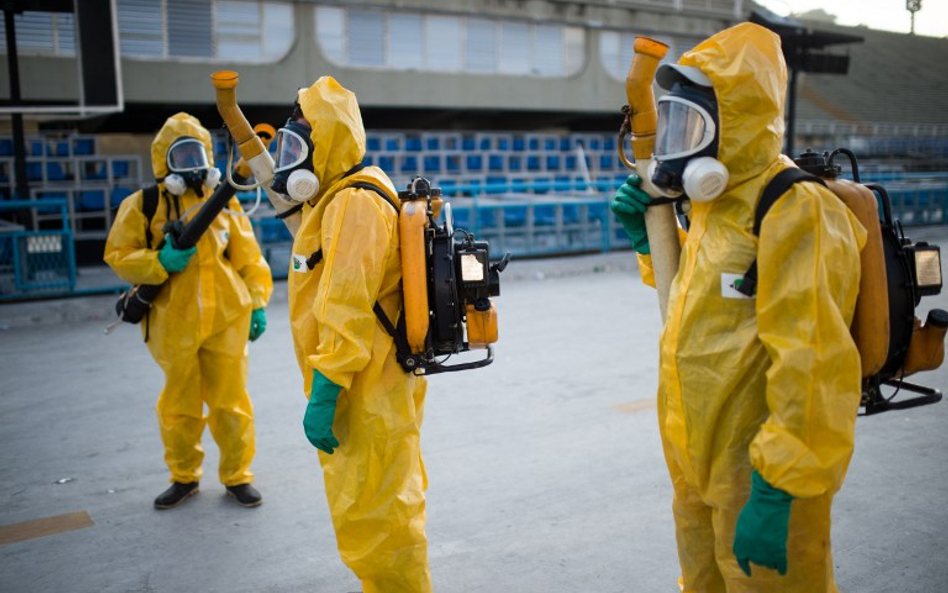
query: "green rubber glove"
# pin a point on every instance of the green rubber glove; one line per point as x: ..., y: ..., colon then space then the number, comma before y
x: 629, y: 205
x: 321, y: 412
x: 174, y: 260
x: 761, y: 533
x: 258, y: 323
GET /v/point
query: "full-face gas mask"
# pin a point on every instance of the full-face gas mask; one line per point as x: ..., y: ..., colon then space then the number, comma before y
x: 686, y: 142
x: 188, y: 167
x: 293, y: 175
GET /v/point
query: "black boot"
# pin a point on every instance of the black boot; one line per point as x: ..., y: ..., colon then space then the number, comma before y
x: 246, y: 495
x: 175, y: 495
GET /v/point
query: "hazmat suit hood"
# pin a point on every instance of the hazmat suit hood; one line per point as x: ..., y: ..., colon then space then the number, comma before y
x: 176, y: 126
x: 338, y: 135
x: 746, y: 66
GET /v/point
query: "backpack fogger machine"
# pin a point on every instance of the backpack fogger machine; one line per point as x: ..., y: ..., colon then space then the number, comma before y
x: 447, y: 284
x: 896, y: 273
x: 911, y: 270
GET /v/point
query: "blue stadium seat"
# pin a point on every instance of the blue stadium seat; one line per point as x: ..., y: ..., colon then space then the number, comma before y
x: 514, y: 163
x: 392, y: 144
x: 495, y: 162
x: 120, y: 169
x: 413, y: 143
x: 91, y: 200
x: 373, y: 144
x: 606, y: 161
x: 543, y: 185
x: 387, y: 163
x: 552, y: 162
x: 503, y: 143
x: 409, y: 165
x: 57, y: 148
x: 55, y: 171
x: 467, y: 142
x: 496, y: 180
x: 519, y: 143
x: 6, y: 147
x: 453, y: 163
x: 475, y: 162
x: 549, y: 144
x: 533, y: 163
x: 83, y: 146
x: 34, y: 171
x: 515, y: 215
x: 432, y: 164
x: 432, y: 143
x: 544, y: 215
x: 367, y: 160
x: 565, y: 144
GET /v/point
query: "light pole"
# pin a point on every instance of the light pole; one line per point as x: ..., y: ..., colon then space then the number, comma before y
x: 913, y: 6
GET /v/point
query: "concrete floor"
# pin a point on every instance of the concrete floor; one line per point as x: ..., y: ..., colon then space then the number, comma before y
x: 545, y: 468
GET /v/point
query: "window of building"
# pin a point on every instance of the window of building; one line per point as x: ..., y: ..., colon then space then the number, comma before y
x: 331, y: 33
x: 406, y: 42
x: 480, y: 51
x: 441, y: 43
x: 232, y: 30
x: 42, y: 33
x: 443, y: 36
x: 365, y: 30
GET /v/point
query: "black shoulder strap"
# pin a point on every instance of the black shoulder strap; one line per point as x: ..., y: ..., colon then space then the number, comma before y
x: 778, y: 186
x: 149, y: 207
x: 376, y: 189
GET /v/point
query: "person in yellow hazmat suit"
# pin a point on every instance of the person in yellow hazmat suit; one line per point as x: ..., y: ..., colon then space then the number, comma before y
x: 364, y: 412
x: 198, y: 326
x: 758, y: 397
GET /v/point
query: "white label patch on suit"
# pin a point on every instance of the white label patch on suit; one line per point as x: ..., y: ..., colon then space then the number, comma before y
x: 225, y: 236
x: 728, y: 282
x: 298, y: 263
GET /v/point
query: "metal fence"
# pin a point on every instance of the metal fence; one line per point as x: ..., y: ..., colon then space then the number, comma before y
x: 35, y: 263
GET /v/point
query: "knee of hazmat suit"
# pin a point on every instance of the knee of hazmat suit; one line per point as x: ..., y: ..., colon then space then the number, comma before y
x: 222, y: 282
x: 771, y: 382
x: 345, y: 259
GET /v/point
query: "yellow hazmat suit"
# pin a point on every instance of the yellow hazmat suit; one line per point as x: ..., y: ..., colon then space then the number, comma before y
x: 198, y: 325
x: 771, y: 382
x: 375, y: 481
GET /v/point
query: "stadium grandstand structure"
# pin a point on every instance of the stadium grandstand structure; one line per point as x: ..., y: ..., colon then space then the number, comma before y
x: 511, y: 108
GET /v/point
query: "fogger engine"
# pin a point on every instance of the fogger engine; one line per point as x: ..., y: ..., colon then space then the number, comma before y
x: 893, y: 343
x: 448, y: 280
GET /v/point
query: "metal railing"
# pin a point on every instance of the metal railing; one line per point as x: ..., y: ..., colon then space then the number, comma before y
x: 36, y: 263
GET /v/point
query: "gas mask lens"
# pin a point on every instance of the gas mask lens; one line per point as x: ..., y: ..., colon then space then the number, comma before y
x: 684, y: 128
x: 292, y: 149
x: 187, y: 154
